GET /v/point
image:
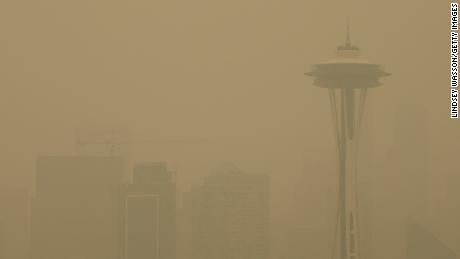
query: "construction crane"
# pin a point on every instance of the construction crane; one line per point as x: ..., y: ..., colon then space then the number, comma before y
x: 112, y: 145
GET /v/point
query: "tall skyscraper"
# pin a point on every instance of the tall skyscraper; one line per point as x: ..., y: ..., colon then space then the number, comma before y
x: 410, y: 156
x: 228, y: 216
x: 149, y: 218
x: 76, y: 208
x: 406, y: 170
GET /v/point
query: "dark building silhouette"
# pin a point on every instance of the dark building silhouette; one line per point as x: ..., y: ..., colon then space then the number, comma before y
x: 422, y: 244
x: 228, y: 216
x: 149, y: 207
x: 76, y: 209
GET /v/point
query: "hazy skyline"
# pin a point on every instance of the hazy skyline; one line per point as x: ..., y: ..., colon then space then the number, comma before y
x: 230, y: 73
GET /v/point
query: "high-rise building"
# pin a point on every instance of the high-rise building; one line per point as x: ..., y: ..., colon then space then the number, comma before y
x: 76, y: 208
x: 411, y: 156
x: 149, y: 218
x: 422, y: 244
x: 406, y: 170
x: 228, y: 216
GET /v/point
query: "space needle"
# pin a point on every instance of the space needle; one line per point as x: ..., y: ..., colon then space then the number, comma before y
x: 347, y: 77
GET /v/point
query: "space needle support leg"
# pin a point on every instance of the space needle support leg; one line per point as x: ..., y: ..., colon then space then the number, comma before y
x: 335, y: 123
x: 342, y: 176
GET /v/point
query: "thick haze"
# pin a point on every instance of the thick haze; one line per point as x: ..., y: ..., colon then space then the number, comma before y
x: 230, y: 74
